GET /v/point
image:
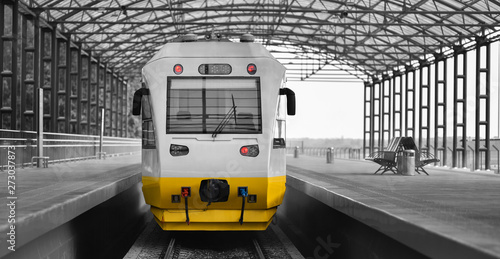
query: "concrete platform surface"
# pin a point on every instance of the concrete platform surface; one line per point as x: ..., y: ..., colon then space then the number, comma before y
x: 449, y: 214
x: 45, y: 198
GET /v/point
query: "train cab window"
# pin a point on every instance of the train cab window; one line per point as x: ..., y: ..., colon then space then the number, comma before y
x: 201, y: 104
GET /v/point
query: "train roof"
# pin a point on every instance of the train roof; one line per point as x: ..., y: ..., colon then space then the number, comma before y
x: 211, y: 49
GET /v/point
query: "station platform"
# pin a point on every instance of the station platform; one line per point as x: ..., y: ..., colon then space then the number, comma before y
x: 448, y: 214
x: 62, y: 210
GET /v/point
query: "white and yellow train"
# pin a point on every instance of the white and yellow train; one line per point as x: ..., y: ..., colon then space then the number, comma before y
x: 213, y: 125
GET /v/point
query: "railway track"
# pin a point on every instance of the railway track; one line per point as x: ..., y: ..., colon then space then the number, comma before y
x: 155, y: 243
x: 245, y: 247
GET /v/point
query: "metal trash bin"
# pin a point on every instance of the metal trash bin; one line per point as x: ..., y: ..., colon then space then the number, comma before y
x: 329, y: 155
x: 406, y: 163
x: 296, y: 152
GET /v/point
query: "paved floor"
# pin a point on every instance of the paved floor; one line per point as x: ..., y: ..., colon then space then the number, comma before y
x: 46, y: 198
x: 449, y: 213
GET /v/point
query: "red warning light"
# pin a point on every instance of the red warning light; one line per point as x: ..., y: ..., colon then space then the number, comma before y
x: 178, y: 69
x: 252, y: 69
x: 244, y: 151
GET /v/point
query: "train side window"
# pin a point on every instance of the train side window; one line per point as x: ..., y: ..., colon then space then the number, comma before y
x: 146, y: 108
x: 148, y: 132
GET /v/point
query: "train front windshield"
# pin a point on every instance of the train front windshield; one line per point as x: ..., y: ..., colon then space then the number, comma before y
x: 204, y: 104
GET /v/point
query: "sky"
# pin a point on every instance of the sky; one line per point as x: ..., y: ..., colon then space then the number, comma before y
x: 335, y: 109
x: 326, y: 110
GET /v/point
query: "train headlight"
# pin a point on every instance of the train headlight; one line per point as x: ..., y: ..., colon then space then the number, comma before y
x: 251, y: 150
x: 178, y: 150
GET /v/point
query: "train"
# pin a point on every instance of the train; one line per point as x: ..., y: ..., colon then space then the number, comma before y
x: 213, y: 117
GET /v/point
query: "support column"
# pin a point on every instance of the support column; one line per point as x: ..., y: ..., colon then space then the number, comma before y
x: 8, y: 71
x: 37, y: 75
x: 483, y: 68
x: 101, y: 91
x: 94, y: 90
x: 47, y: 81
x: 459, y: 107
x: 410, y: 102
x: 368, y: 120
x: 54, y: 78
x: 440, y: 96
x: 397, y: 104
x: 424, y: 106
x: 62, y: 59
x: 119, y: 116
x: 107, y: 101
x: 74, y: 88
x: 30, y: 60
x: 376, y: 92
x: 385, y: 118
x: 125, y: 108
x: 114, y: 103
x: 84, y: 94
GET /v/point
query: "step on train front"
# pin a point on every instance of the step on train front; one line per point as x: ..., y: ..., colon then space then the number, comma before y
x: 213, y: 134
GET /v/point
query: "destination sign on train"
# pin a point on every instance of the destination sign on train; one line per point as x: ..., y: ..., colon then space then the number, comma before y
x: 215, y: 69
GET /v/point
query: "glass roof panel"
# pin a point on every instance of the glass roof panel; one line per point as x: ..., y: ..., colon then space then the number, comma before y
x: 360, y: 30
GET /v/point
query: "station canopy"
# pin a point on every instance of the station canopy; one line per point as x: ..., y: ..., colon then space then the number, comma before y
x: 316, y: 40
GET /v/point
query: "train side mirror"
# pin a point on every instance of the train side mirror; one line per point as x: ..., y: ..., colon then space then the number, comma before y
x: 290, y: 100
x: 136, y: 106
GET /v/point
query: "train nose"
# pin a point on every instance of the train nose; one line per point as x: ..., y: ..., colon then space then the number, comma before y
x: 214, y: 190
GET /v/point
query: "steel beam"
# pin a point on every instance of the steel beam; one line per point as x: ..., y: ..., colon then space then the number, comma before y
x: 265, y: 34
x: 270, y: 9
x: 266, y: 23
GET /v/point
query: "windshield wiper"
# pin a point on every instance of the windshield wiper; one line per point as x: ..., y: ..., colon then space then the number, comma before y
x: 226, y: 119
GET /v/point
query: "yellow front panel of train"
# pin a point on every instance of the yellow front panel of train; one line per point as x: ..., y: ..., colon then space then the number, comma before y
x: 158, y: 193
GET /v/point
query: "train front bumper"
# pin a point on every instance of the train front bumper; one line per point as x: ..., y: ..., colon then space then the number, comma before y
x: 213, y: 220
x: 223, y: 216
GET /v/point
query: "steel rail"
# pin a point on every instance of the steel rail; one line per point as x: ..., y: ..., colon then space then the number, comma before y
x: 170, y: 249
x: 258, y: 250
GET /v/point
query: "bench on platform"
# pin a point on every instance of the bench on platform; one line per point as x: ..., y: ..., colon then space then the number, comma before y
x: 387, y: 158
x: 422, y: 158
